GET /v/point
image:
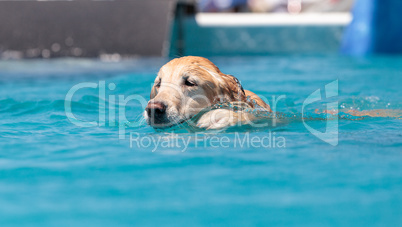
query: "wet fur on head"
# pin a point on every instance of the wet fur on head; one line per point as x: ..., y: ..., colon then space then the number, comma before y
x: 227, y: 86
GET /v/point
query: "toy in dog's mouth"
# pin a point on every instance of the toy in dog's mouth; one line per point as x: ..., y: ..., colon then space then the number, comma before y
x: 158, y: 117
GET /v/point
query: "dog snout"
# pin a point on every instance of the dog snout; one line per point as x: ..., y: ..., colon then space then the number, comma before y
x: 156, y: 109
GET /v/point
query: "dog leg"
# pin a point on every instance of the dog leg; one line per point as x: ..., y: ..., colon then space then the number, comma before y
x: 221, y: 118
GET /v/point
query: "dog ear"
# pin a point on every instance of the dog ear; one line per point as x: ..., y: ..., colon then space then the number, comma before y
x: 233, y: 88
x: 229, y: 86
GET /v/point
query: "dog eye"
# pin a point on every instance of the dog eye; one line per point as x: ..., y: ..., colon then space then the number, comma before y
x: 158, y: 84
x: 189, y: 83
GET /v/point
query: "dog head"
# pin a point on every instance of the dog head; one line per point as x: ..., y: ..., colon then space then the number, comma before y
x: 185, y: 86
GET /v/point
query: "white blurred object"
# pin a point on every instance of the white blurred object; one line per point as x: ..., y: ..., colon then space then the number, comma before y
x: 274, y: 19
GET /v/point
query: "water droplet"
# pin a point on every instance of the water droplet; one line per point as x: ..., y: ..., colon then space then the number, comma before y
x: 46, y: 53
x: 55, y: 47
x: 76, y: 51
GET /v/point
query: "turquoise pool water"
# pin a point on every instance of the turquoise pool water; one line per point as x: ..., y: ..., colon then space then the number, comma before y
x: 53, y: 172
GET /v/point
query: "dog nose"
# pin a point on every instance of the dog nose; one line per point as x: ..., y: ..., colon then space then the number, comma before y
x: 156, y: 109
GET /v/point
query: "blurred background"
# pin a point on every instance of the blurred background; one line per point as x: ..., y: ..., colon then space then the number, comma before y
x: 112, y: 30
x: 271, y: 6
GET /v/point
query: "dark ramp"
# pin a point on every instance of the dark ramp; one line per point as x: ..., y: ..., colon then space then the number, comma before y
x: 84, y: 28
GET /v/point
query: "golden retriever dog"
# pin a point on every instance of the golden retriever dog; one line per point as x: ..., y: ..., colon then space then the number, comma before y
x: 186, y: 87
